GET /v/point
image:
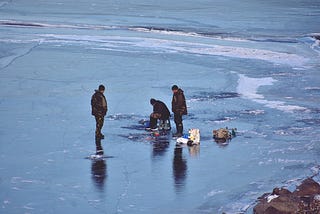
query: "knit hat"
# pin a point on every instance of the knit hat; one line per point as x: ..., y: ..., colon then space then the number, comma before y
x: 175, y: 87
x: 152, y: 101
x: 101, y: 88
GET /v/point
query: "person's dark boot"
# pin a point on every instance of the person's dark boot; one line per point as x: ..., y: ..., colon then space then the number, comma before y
x: 177, y: 134
x: 99, y: 149
x: 179, y: 128
x: 99, y: 152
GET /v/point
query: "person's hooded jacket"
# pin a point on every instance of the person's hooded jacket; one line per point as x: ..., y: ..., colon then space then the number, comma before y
x: 99, y: 104
x: 160, y: 108
x: 179, y: 103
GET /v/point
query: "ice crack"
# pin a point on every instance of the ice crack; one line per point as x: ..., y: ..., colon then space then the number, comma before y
x: 3, y: 4
x: 7, y: 61
x: 125, y: 191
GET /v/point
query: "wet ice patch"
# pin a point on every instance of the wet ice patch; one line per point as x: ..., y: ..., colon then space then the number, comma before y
x: 137, y: 137
x: 206, y: 96
x: 124, y: 117
x: 237, y: 208
x: 134, y: 127
x: 146, y: 137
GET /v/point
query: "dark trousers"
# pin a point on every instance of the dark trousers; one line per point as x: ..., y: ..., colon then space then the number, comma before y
x: 178, y: 122
x: 99, y: 125
x: 154, y: 120
x: 99, y: 149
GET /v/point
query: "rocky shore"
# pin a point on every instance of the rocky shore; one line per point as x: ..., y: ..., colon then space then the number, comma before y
x: 304, y: 200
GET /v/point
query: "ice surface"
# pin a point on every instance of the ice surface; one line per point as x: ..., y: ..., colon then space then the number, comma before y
x: 249, y: 65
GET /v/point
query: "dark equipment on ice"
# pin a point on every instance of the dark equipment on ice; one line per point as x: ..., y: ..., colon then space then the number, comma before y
x: 224, y: 134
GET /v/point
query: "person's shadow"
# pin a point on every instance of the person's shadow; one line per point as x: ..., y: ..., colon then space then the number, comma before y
x: 159, y: 148
x: 179, y: 169
x: 99, y: 173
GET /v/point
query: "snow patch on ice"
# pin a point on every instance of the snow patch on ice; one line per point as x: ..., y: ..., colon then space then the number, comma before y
x: 316, y: 42
x: 17, y: 23
x: 173, y: 46
x: 253, y: 112
x: 248, y: 88
x: 282, y: 161
x: 312, y: 88
x: 289, y: 131
x: 224, y: 120
x: 214, y: 192
x: 315, y: 170
x: 286, y: 161
x: 27, y: 207
x: 186, y: 33
x: 281, y: 106
x: 138, y: 44
x: 271, y: 197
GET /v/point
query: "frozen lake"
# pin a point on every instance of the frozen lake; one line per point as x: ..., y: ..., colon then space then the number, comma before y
x: 252, y: 65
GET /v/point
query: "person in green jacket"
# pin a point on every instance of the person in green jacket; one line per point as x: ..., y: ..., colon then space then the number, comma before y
x: 179, y: 108
x: 99, y: 109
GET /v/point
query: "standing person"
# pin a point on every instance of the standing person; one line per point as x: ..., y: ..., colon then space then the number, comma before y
x: 160, y: 111
x: 179, y: 108
x: 99, y: 110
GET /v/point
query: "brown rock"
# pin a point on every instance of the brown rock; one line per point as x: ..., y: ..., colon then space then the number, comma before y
x: 308, y: 188
x: 282, y: 201
x: 283, y: 204
x: 280, y: 191
x: 273, y: 210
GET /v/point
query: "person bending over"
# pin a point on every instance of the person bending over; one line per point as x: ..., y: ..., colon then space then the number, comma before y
x: 160, y: 112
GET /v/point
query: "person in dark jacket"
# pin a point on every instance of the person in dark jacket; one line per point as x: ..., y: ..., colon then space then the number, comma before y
x: 179, y: 108
x: 160, y: 111
x: 99, y: 110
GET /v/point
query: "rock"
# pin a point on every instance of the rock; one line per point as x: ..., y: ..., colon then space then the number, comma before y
x: 304, y: 200
x: 307, y: 187
x: 280, y: 191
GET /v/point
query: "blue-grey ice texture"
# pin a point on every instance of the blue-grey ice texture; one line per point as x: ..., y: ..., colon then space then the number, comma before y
x: 251, y: 65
